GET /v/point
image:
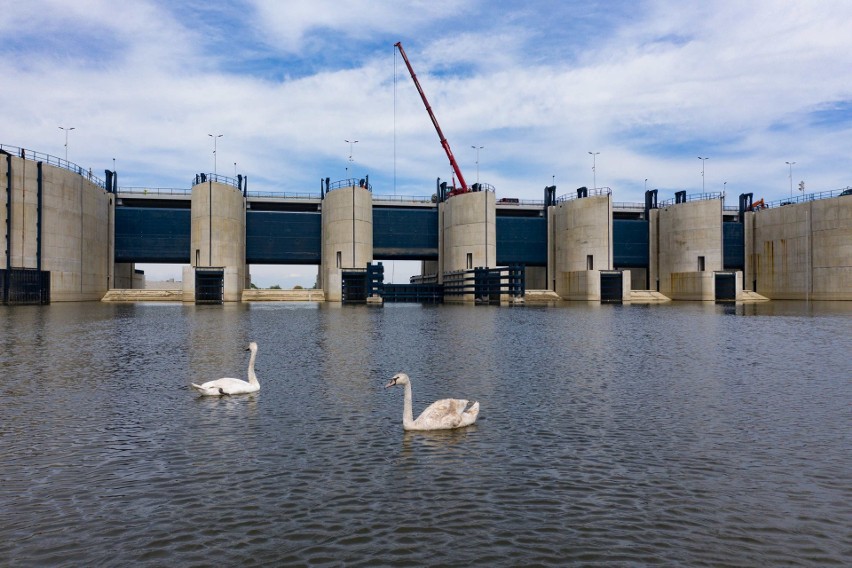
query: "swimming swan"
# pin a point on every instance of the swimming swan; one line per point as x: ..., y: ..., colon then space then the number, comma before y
x: 225, y: 386
x: 443, y: 414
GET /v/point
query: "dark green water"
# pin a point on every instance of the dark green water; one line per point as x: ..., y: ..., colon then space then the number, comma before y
x: 680, y: 435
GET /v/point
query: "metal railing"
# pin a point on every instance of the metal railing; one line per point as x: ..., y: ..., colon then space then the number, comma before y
x: 486, y: 283
x: 628, y: 205
x: 404, y: 198
x: 283, y: 195
x: 204, y: 178
x: 589, y: 193
x: 807, y: 197
x: 155, y: 190
x: 694, y: 197
x: 349, y: 183
x: 53, y: 161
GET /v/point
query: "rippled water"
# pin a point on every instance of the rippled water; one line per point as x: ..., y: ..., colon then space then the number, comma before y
x: 691, y: 434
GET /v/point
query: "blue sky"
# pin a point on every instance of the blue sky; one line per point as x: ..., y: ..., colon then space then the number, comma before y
x: 650, y: 85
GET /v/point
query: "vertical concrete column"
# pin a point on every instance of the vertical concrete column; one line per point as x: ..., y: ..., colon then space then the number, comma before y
x: 123, y: 275
x: 551, y: 248
x: 690, y: 248
x: 347, y: 236
x: 748, y: 251
x: 24, y: 213
x: 469, y: 231
x: 582, y: 246
x: 75, y: 248
x: 218, y: 235
x: 5, y: 210
x: 654, y: 249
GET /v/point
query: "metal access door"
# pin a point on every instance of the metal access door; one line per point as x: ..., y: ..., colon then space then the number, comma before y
x: 354, y: 287
x: 726, y: 289
x: 209, y: 286
x: 611, y: 287
x: 25, y: 286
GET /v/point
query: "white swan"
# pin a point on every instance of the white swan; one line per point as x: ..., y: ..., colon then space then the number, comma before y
x: 443, y: 414
x: 228, y: 385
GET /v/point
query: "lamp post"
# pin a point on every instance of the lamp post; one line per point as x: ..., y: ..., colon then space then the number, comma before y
x: 594, y: 171
x: 477, y: 148
x: 214, y: 150
x: 351, y: 144
x: 646, y: 185
x: 67, y: 130
x: 791, y: 178
x: 702, y: 171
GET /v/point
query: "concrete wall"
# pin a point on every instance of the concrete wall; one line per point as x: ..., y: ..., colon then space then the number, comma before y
x: 700, y: 286
x: 123, y: 276
x: 218, y: 235
x: 580, y: 229
x: 579, y: 285
x: 804, y: 251
x: 536, y: 278
x: 76, y: 228
x: 686, y: 232
x: 347, y: 236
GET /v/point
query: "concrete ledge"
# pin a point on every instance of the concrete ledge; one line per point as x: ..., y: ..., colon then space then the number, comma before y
x: 536, y: 296
x: 283, y: 296
x: 749, y: 297
x: 647, y: 297
x: 129, y: 295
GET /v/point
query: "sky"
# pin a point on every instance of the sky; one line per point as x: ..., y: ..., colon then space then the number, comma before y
x: 620, y: 94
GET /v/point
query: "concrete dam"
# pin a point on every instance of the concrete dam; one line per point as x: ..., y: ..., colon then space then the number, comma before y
x: 69, y: 236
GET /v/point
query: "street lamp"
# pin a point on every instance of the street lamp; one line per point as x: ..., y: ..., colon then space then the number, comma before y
x: 791, y: 178
x: 702, y: 171
x: 477, y: 148
x: 594, y: 171
x: 351, y: 143
x: 67, y: 130
x: 214, y: 150
x: 646, y: 185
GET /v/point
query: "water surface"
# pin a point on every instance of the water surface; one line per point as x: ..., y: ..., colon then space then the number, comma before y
x: 686, y: 434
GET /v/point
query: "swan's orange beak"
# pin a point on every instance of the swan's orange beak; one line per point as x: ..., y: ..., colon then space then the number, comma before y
x: 392, y: 383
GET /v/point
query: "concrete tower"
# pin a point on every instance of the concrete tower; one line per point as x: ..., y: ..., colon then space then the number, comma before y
x: 218, y: 237
x: 347, y: 236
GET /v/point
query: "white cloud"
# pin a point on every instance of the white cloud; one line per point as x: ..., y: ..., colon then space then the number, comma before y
x: 650, y: 86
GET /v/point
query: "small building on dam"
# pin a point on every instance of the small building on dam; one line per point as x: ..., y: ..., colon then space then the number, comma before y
x: 70, y: 236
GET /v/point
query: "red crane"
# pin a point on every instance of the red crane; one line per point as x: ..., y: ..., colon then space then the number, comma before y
x: 444, y: 143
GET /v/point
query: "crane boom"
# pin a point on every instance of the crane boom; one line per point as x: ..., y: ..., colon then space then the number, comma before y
x: 444, y: 143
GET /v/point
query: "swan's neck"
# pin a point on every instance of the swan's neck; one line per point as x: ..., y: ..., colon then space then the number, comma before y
x: 252, y: 378
x: 407, y: 413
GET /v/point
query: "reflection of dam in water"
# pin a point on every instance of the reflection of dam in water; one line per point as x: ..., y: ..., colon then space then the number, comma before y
x: 70, y: 236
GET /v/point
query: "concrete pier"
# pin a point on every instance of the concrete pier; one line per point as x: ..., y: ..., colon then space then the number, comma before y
x: 688, y: 238
x: 582, y: 246
x: 218, y: 238
x: 347, y: 236
x: 468, y: 234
